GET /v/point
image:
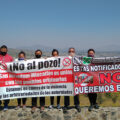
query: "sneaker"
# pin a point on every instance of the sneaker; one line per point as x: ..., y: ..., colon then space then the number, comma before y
x: 51, y: 107
x: 24, y: 107
x: 58, y: 106
x: 78, y: 108
x: 96, y: 106
x: 18, y: 107
x: 90, y: 108
x: 33, y: 109
x: 5, y: 108
x: 65, y: 110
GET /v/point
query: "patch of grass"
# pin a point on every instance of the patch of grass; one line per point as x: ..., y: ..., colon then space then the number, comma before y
x: 84, y: 101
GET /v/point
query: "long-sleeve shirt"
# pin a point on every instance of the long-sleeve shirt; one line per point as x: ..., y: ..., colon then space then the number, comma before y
x: 6, y: 58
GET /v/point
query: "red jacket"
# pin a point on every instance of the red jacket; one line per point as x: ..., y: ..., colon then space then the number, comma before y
x: 6, y: 58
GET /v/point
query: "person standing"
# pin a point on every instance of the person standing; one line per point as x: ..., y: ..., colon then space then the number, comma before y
x: 55, y: 53
x: 92, y: 96
x: 71, y: 52
x: 38, y: 55
x: 21, y: 57
x: 4, y: 58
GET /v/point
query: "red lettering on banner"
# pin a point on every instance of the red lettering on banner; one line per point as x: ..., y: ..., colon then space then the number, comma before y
x: 116, y: 77
x: 105, y: 78
x: 109, y: 78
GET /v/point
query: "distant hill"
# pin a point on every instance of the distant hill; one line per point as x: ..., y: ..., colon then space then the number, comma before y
x: 35, y: 47
x: 110, y: 47
x: 14, y: 52
x: 47, y: 52
x: 113, y: 47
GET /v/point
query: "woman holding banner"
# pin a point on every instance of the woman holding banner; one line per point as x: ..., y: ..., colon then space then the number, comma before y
x: 55, y: 53
x: 38, y: 55
x: 21, y: 56
x: 92, y: 96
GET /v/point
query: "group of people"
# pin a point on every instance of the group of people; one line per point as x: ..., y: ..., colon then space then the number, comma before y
x: 5, y: 57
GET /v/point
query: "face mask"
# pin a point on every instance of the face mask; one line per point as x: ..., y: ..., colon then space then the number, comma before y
x: 72, y: 54
x: 90, y: 55
x: 21, y: 59
x: 3, y: 53
x: 38, y: 56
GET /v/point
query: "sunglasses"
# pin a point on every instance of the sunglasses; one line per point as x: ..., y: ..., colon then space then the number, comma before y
x: 71, y: 51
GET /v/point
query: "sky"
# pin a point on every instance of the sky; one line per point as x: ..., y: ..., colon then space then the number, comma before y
x: 60, y: 23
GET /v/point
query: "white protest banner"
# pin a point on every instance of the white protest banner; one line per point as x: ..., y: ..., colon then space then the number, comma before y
x: 36, y: 77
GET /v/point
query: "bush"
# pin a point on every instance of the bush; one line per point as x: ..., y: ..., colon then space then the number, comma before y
x: 100, y: 98
x: 108, y: 95
x: 114, y: 97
